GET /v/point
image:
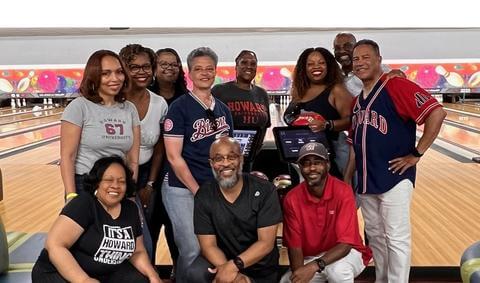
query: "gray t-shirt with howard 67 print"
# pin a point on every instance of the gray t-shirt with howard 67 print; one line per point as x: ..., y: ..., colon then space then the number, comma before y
x: 106, y: 130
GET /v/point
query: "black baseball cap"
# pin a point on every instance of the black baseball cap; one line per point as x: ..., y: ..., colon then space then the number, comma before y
x: 313, y: 148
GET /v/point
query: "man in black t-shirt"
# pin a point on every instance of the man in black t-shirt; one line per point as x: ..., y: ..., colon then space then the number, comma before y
x: 235, y: 218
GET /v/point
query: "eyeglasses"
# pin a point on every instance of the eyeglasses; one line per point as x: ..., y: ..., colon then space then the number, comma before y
x: 165, y: 65
x: 212, y: 119
x: 110, y: 181
x: 219, y: 158
x: 147, y: 68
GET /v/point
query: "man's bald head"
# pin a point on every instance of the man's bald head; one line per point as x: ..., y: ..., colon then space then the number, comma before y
x: 223, y: 143
x: 343, y: 50
x: 345, y: 35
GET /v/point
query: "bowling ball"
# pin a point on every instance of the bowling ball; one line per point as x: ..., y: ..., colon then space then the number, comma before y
x: 282, y: 181
x: 34, y: 82
x: 47, y: 81
x: 218, y: 80
x: 272, y: 79
x: 427, y: 77
x: 259, y: 174
x: 305, y: 118
x: 62, y: 82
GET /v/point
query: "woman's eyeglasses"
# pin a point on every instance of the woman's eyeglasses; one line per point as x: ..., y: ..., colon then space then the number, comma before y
x: 147, y: 68
x: 165, y: 65
x: 211, y: 118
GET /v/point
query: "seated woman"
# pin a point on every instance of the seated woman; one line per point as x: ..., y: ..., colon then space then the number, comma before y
x: 97, y: 237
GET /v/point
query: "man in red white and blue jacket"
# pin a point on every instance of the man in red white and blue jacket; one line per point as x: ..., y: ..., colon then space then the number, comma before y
x: 383, y: 134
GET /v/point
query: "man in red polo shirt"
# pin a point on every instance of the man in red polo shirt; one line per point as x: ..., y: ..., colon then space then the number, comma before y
x: 320, y: 226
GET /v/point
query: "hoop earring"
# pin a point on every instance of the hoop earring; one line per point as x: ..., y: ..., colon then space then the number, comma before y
x: 95, y: 192
x: 93, y: 87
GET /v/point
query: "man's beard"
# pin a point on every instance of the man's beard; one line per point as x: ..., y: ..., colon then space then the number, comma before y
x: 230, y: 182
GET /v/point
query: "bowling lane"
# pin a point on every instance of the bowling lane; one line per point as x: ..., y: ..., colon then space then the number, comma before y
x: 473, y: 107
x: 459, y: 136
x: 465, y: 119
x: 21, y: 116
x: 9, y: 110
x: 28, y: 138
x: 29, y: 123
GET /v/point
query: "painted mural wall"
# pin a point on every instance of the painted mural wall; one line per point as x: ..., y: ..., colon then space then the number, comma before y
x: 38, y: 82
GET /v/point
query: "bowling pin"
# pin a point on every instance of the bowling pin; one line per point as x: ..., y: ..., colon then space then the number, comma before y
x: 19, y: 101
x: 12, y: 103
x: 452, y: 78
x: 24, y: 102
x: 44, y: 101
x: 50, y: 101
x: 474, y: 80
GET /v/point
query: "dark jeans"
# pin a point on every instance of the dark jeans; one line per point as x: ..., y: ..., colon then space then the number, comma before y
x: 125, y: 273
x: 156, y: 215
x: 198, y: 273
x: 79, y: 183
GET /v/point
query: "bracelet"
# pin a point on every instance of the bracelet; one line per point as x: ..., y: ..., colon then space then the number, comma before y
x: 239, y: 263
x: 70, y: 196
x: 328, y: 125
x: 416, y: 153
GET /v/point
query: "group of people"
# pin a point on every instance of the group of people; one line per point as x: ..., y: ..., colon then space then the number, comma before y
x: 140, y: 151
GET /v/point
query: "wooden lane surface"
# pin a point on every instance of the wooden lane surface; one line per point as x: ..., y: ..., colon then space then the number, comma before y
x: 29, y: 123
x: 445, y: 206
x: 467, y: 107
x: 41, y: 155
x: 445, y: 210
x: 29, y: 137
x: 28, y: 115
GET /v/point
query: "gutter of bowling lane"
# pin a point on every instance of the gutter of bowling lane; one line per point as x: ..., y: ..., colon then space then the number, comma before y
x: 28, y: 119
x: 27, y: 147
x: 29, y: 129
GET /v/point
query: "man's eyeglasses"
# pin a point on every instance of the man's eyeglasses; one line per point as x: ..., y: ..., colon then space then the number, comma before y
x: 165, y: 65
x: 211, y: 118
x: 147, y: 68
x: 219, y: 158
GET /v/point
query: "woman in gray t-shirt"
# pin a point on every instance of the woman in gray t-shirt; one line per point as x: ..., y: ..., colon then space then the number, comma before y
x: 98, y: 123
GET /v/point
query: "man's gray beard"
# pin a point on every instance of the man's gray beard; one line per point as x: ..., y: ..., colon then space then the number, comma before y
x: 230, y: 182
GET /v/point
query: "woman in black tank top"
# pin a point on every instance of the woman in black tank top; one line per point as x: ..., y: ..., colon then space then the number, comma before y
x: 318, y: 87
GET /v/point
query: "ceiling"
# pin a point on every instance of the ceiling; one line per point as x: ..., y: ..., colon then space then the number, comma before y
x: 24, y: 32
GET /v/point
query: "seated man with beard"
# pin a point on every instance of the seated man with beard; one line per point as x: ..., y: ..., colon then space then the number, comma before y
x: 235, y: 218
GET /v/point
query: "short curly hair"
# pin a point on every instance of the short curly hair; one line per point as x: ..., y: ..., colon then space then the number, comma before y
x: 128, y: 53
x: 200, y: 52
x: 94, y: 177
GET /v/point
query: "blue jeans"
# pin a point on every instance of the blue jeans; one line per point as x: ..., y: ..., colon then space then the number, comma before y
x: 179, y: 205
x: 142, y: 179
x: 342, y: 151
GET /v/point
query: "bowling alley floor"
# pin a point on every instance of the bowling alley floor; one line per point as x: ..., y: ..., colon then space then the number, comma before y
x: 444, y: 207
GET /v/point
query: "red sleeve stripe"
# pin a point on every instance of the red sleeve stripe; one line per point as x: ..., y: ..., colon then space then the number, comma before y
x: 426, y: 111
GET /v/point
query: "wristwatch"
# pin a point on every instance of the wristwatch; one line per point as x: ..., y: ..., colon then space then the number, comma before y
x: 239, y: 263
x: 321, y: 264
x: 416, y: 153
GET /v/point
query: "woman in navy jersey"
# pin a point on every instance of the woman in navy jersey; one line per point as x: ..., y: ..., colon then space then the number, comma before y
x: 193, y: 122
